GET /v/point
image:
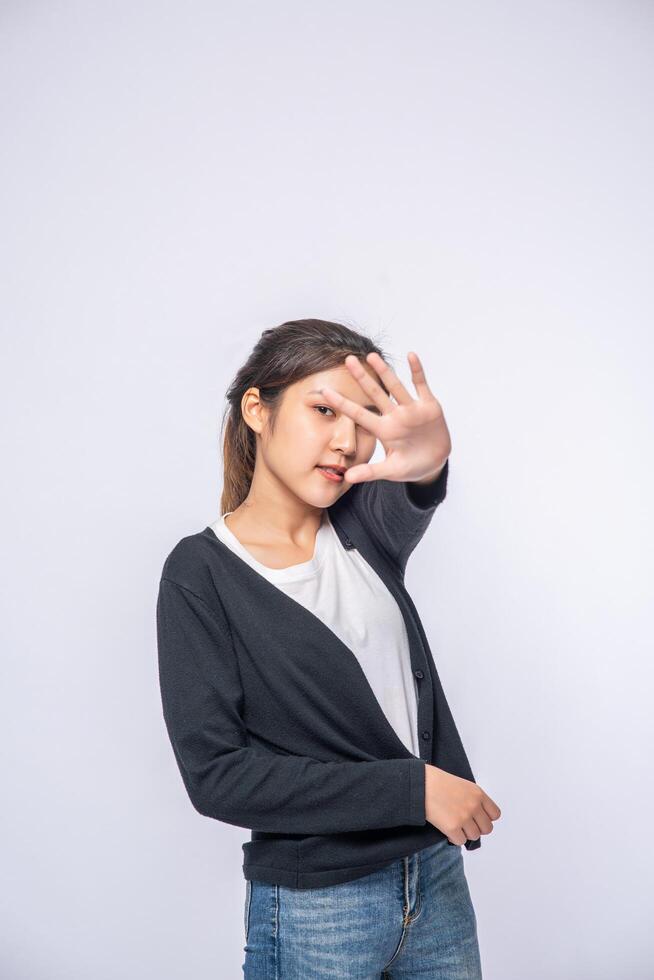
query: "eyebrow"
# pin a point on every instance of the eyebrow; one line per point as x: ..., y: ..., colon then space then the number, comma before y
x: 315, y: 391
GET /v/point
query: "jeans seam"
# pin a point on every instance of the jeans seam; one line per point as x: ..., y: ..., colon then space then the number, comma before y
x: 418, y: 907
x: 248, y: 903
x: 276, y: 932
x: 406, y: 890
x: 405, y: 912
x: 397, y: 951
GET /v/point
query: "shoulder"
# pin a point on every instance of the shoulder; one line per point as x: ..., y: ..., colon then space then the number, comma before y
x: 194, y: 563
x: 185, y: 554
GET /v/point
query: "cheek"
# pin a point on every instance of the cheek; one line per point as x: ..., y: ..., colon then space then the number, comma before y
x: 301, y: 443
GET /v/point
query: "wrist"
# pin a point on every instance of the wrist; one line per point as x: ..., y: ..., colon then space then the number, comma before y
x: 431, y: 477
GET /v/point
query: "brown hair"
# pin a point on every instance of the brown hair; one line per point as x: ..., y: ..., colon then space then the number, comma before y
x: 282, y: 355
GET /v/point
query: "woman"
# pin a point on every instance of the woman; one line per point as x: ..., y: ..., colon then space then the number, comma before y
x: 298, y: 688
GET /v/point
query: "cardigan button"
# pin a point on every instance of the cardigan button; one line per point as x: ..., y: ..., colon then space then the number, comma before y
x: 419, y: 674
x: 348, y: 544
x: 425, y: 735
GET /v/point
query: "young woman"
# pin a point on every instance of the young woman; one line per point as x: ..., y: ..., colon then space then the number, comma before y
x: 298, y: 687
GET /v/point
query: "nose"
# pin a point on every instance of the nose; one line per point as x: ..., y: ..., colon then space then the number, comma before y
x: 345, y: 437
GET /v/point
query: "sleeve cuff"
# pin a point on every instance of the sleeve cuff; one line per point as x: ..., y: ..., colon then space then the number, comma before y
x: 417, y: 792
x: 426, y: 495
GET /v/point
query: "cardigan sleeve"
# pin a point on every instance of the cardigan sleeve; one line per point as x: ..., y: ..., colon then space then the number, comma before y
x: 397, y: 513
x: 248, y: 786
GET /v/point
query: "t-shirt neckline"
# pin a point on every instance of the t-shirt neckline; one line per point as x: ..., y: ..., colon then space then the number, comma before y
x: 292, y: 573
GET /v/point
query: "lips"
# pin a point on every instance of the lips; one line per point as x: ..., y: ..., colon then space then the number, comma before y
x: 334, y: 473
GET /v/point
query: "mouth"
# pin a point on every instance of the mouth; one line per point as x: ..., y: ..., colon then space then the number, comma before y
x: 333, y: 473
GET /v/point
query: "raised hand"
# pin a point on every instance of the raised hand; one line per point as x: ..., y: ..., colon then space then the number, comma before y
x: 412, y: 431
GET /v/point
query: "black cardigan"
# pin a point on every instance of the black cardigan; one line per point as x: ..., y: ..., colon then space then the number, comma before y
x: 272, y: 720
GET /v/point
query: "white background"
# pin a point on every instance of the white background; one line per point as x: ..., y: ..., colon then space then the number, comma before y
x: 472, y: 181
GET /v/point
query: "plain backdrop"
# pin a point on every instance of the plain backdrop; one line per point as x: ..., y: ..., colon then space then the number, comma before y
x: 472, y: 181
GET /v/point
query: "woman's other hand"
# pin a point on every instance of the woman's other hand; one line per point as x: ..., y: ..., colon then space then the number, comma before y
x: 457, y: 807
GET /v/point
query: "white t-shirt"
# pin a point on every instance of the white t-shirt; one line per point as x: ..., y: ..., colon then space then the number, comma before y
x: 341, y: 589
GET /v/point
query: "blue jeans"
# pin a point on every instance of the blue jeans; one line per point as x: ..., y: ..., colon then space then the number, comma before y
x: 413, y: 918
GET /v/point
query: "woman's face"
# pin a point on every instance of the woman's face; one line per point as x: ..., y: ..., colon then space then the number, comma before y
x: 308, y: 432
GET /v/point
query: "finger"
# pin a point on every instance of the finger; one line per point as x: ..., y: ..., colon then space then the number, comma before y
x: 483, y: 821
x: 364, y: 472
x: 362, y: 416
x: 390, y: 379
x: 491, y: 807
x: 471, y: 829
x: 418, y: 376
x: 371, y: 387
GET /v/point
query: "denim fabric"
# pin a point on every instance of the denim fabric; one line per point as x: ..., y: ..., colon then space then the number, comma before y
x: 412, y: 919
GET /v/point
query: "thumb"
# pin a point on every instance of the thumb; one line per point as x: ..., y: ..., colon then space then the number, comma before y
x: 365, y: 472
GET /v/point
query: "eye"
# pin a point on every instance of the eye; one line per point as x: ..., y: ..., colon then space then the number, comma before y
x: 318, y: 407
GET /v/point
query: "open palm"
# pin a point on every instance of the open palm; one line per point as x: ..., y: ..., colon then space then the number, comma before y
x: 412, y: 431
